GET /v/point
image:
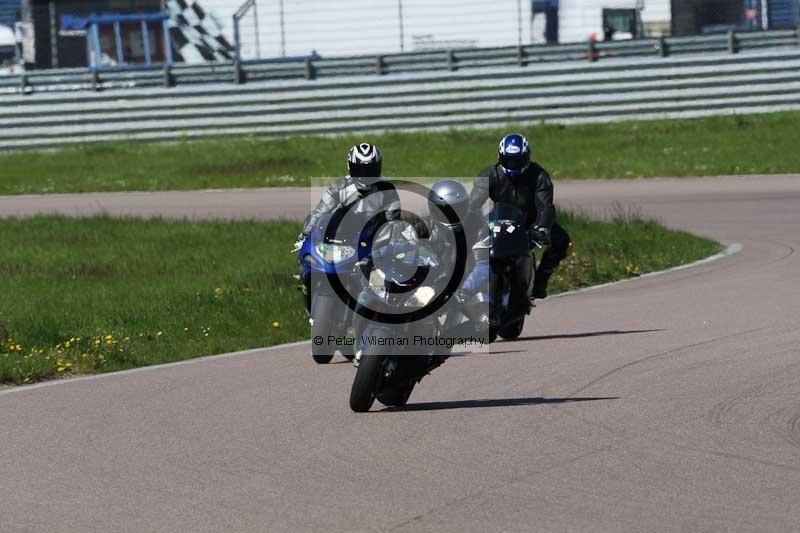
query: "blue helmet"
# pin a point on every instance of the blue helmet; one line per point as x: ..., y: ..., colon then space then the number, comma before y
x: 514, y: 154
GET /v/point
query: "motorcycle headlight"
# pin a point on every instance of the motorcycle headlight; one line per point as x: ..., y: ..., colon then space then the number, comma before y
x: 335, y: 253
x: 421, y: 297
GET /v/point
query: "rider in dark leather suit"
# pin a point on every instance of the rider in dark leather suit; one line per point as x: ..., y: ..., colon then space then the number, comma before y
x: 515, y: 179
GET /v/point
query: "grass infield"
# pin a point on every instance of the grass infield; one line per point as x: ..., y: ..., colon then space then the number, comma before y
x: 742, y: 144
x: 83, y: 296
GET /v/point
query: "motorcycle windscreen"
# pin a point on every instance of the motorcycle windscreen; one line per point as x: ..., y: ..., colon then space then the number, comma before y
x: 506, y: 212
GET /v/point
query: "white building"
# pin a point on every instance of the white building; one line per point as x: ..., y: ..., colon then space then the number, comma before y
x: 343, y: 27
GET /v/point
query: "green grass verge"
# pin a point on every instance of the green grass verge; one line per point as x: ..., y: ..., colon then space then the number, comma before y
x: 746, y: 144
x: 627, y: 245
x: 96, y: 295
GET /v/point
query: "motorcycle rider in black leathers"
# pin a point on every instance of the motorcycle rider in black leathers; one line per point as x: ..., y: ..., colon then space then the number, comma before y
x: 363, y: 189
x: 517, y: 180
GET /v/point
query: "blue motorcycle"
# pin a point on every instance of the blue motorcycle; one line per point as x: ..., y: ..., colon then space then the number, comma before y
x: 330, y: 314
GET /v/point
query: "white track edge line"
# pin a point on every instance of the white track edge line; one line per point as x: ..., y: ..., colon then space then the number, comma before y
x: 206, y: 358
x: 730, y: 250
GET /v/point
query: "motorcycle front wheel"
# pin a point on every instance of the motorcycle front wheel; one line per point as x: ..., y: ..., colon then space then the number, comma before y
x: 396, y: 397
x: 322, y: 313
x: 368, y: 377
x: 512, y: 331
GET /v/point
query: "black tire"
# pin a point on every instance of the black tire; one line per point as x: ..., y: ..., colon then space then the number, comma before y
x: 496, y: 288
x: 396, y: 397
x: 348, y: 352
x: 365, y: 384
x: 321, y: 312
x: 512, y: 331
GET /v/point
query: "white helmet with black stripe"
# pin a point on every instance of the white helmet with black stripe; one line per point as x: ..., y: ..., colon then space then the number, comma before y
x: 364, y: 165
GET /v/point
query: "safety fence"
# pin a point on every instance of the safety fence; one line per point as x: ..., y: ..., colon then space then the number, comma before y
x: 313, y: 68
x: 557, y: 92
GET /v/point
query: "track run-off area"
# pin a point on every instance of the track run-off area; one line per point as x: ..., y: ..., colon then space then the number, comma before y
x: 667, y: 403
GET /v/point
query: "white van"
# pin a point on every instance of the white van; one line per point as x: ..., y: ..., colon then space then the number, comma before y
x: 7, y: 45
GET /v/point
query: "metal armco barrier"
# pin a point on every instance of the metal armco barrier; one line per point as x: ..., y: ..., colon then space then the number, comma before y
x: 625, y: 88
x: 429, y: 61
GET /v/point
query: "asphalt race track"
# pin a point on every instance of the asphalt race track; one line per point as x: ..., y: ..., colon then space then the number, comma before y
x: 669, y: 403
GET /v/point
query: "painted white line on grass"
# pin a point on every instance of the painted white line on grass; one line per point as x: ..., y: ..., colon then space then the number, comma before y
x: 729, y: 251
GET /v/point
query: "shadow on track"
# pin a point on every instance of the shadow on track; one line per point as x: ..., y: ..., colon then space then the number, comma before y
x: 500, y: 402
x: 481, y: 354
x: 582, y: 335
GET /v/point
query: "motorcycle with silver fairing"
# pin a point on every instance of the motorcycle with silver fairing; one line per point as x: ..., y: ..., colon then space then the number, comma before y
x: 400, y: 306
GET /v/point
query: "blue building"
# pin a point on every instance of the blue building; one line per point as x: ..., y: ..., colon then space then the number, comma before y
x: 783, y: 13
x: 8, y: 12
x: 58, y: 45
x: 8, y: 16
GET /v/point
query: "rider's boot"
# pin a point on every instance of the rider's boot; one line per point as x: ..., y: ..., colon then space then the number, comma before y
x: 539, y: 290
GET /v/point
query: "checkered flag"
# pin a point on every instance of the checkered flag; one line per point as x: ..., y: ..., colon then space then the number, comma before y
x: 196, y: 35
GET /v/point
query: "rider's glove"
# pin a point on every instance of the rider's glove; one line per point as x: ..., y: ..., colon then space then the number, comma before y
x: 540, y: 235
x: 462, y: 296
x: 298, y: 243
x: 366, y: 265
